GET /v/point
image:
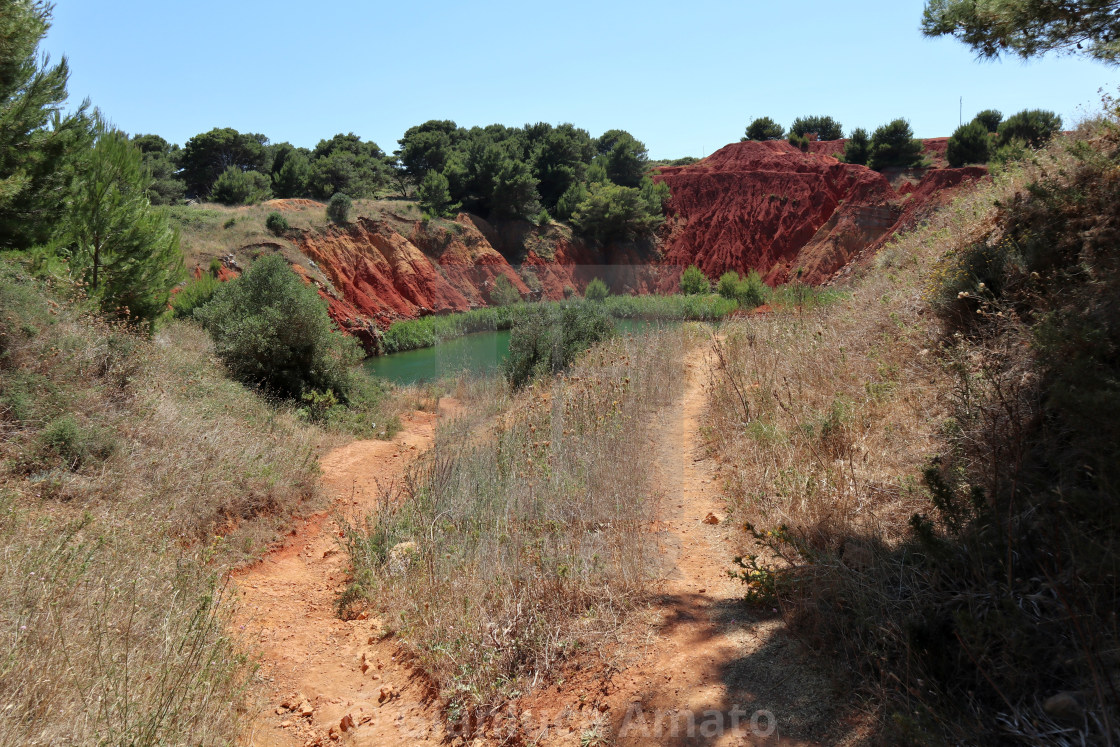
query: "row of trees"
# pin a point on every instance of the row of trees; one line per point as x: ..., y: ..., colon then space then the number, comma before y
x: 536, y: 172
x: 818, y: 127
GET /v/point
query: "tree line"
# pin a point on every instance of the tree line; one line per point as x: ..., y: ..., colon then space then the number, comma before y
x: 988, y: 137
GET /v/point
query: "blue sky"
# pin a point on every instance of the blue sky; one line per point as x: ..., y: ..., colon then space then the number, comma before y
x: 684, y: 77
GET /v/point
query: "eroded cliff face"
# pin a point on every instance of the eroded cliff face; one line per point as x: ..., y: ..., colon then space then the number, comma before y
x: 770, y: 207
x: 765, y: 206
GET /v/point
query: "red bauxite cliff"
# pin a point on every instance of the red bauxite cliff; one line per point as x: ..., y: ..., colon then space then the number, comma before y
x: 753, y: 205
x: 770, y: 207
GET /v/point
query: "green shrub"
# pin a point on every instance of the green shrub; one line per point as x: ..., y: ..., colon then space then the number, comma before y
x: 596, y: 290
x: 434, y: 195
x: 547, y: 339
x: 73, y: 443
x: 694, y: 281
x: 194, y: 295
x: 1032, y: 126
x: 825, y: 128
x: 764, y: 128
x: 276, y: 223
x: 893, y: 144
x: 971, y: 143
x: 338, y: 208
x: 614, y: 213
x: 751, y: 291
x: 801, y: 142
x: 237, y: 187
x: 858, y: 148
x: 989, y: 119
x: 727, y: 284
x: 570, y: 201
x: 543, y: 219
x: 503, y: 292
x: 272, y: 330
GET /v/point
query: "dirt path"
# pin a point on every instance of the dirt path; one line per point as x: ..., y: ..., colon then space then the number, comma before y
x: 319, y: 670
x: 712, y: 672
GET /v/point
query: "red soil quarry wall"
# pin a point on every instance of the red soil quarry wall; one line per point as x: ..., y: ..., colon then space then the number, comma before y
x: 769, y: 207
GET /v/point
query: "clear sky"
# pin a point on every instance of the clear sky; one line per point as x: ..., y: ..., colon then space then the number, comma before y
x: 685, y: 77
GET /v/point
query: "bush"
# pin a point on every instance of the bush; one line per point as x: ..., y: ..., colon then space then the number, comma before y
x: 596, y: 290
x: 825, y: 128
x: 748, y: 292
x: 989, y: 119
x: 694, y: 281
x: 543, y: 219
x: 727, y: 284
x: 764, y: 128
x: 1032, y: 126
x: 971, y: 143
x: 194, y: 295
x: 276, y: 223
x: 614, y: 213
x: 503, y: 293
x: 801, y: 142
x: 547, y: 339
x: 434, y: 195
x: 272, y: 330
x: 338, y: 209
x: 751, y: 291
x: 893, y: 144
x: 858, y: 148
x: 237, y: 187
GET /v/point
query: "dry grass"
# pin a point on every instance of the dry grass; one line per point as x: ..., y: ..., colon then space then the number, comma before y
x: 530, y: 528
x: 133, y: 474
x: 826, y: 422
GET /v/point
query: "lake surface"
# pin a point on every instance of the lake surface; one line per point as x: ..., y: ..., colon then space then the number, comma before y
x: 480, y: 354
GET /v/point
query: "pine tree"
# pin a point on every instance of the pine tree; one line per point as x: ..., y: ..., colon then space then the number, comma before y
x: 121, y: 247
x: 435, y: 196
x: 36, y: 140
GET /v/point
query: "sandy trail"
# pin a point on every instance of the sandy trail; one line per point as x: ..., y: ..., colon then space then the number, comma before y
x: 709, y: 671
x: 712, y: 672
x: 310, y: 659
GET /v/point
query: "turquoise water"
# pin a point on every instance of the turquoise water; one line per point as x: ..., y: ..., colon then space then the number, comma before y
x: 480, y: 354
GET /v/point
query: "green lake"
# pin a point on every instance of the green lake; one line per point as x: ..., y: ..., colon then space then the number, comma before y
x: 479, y: 354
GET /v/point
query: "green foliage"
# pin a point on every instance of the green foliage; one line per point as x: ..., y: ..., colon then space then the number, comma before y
x: 893, y: 145
x: 801, y: 142
x: 74, y: 444
x: 36, y: 141
x: 624, y: 157
x: 825, y: 128
x: 117, y: 244
x: 515, y: 192
x: 276, y: 223
x: 338, y: 208
x: 1031, y: 126
x: 570, y: 201
x: 237, y: 187
x: 435, y: 196
x: 291, y: 173
x: 858, y: 148
x: 346, y: 164
x: 543, y: 219
x: 272, y: 330
x: 989, y: 119
x: 560, y: 158
x: 160, y: 159
x: 503, y: 293
x: 194, y: 295
x: 764, y: 128
x: 694, y: 281
x: 970, y: 143
x: 614, y: 213
x: 548, y: 338
x: 1028, y: 28
x: 209, y: 155
x: 748, y: 292
x: 596, y: 290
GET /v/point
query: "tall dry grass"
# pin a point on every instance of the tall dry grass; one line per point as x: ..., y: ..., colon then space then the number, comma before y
x: 133, y: 474
x: 524, y: 537
x: 834, y: 427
